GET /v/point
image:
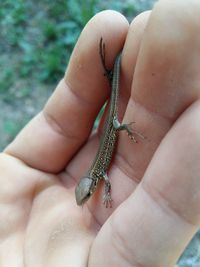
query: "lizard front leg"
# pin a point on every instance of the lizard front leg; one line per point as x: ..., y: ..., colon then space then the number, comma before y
x: 107, y: 200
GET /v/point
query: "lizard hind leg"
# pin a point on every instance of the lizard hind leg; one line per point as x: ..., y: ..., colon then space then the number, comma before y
x: 127, y: 127
x: 107, y: 200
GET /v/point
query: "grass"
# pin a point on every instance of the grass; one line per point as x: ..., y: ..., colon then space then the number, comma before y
x: 43, y: 35
x: 36, y: 40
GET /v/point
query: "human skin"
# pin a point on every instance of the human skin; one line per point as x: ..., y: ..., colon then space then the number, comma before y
x: 155, y: 183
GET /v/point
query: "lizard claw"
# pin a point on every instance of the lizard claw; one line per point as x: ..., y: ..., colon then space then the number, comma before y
x: 131, y: 133
x: 107, y: 200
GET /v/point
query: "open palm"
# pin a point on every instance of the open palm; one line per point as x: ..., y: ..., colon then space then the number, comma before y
x: 155, y: 183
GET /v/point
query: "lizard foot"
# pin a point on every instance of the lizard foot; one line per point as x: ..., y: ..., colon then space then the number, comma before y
x: 131, y: 132
x: 107, y: 200
x: 127, y: 127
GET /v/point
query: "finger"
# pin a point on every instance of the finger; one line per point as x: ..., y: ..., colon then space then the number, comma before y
x: 165, y: 82
x: 153, y: 226
x: 50, y: 140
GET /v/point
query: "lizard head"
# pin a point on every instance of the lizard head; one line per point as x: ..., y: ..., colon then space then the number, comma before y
x: 84, y: 190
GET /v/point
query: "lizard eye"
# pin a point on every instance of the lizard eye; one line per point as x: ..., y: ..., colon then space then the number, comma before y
x: 95, y: 182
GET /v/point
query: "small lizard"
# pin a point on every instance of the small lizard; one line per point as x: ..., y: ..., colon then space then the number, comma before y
x: 98, y: 170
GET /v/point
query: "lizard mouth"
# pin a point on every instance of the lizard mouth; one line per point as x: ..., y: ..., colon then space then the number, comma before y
x: 81, y: 200
x: 85, y: 199
x: 83, y: 190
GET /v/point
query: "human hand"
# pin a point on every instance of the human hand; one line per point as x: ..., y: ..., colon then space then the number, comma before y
x: 155, y: 183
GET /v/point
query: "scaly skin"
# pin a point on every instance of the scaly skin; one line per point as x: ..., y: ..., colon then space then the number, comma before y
x: 98, y: 170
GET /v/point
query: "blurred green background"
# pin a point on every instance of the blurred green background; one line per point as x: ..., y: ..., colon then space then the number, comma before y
x: 36, y: 40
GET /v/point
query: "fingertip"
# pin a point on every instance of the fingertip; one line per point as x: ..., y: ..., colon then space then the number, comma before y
x: 132, y: 45
x: 84, y: 72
